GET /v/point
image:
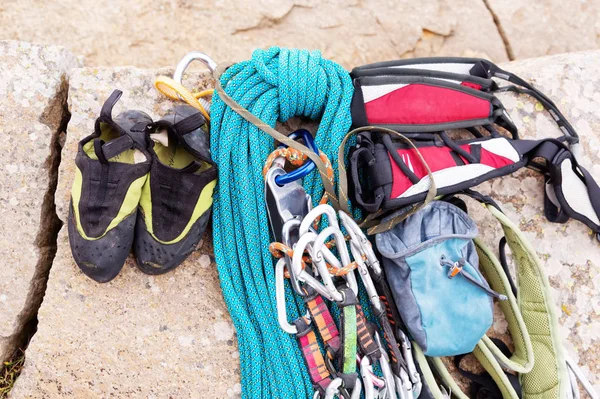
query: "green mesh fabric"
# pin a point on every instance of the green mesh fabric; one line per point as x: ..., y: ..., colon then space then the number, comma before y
x: 548, y: 379
x: 532, y: 323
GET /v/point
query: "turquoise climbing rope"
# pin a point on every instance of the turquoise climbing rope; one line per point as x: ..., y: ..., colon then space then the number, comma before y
x: 276, y: 84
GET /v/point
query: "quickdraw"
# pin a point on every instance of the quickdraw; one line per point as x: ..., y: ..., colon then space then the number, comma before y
x: 315, y: 283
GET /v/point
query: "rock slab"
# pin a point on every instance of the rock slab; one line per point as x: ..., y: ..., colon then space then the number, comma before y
x: 32, y: 95
x: 139, y: 335
x: 351, y: 32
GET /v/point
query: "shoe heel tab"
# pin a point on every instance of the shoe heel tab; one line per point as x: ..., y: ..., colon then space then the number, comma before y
x: 108, y: 105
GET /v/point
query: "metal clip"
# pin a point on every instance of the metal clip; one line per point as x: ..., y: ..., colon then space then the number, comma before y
x: 304, y: 276
x: 371, y: 381
x: 388, y: 375
x: 322, y: 255
x: 415, y: 378
x: 188, y: 59
x: 284, y: 203
x: 280, y: 296
x: 333, y: 389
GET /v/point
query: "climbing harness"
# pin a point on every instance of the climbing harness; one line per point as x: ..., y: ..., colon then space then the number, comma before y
x: 423, y: 80
x: 424, y: 98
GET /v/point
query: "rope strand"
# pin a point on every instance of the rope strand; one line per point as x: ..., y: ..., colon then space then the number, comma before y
x: 276, y: 84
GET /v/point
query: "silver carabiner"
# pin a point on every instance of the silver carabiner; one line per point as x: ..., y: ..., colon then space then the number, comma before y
x: 304, y: 243
x: 370, y: 380
x: 388, y: 375
x: 185, y: 62
x: 362, y: 243
x: 280, y: 299
x: 188, y: 59
x: 414, y: 376
x: 333, y: 389
x: 360, y: 248
x: 319, y: 210
x: 321, y: 254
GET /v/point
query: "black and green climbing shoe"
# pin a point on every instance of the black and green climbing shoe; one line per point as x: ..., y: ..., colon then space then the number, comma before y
x: 111, y: 169
x: 177, y: 197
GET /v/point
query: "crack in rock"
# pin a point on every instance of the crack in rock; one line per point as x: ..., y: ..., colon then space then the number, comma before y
x: 269, y: 21
x: 56, y: 116
x: 507, y: 47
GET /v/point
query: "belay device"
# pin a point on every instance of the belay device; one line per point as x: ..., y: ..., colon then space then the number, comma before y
x: 425, y: 98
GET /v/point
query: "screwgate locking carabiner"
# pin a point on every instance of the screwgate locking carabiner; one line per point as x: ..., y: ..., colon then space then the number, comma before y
x: 308, y: 166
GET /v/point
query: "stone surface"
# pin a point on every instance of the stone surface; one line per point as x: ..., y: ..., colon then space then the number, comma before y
x: 139, y: 335
x: 541, y: 27
x: 32, y: 92
x: 568, y: 251
x: 151, y: 33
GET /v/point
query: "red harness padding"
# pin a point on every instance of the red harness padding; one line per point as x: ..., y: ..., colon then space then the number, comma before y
x: 388, y: 175
x: 418, y: 104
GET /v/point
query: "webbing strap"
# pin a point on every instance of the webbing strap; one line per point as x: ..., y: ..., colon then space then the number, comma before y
x: 483, y: 385
x: 549, y: 373
x: 378, y: 226
x: 368, y: 346
x: 309, y: 346
x: 349, y: 333
x: 388, y: 317
x: 556, y: 205
x: 492, y: 70
x: 320, y: 314
x: 106, y: 111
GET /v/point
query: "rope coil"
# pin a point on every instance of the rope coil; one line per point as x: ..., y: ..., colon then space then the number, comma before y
x: 276, y: 84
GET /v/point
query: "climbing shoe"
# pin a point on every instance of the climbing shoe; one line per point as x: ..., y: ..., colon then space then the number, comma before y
x: 111, y: 169
x: 177, y: 197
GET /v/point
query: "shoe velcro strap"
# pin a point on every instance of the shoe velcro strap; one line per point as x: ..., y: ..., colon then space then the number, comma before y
x: 117, y: 146
x: 189, y: 124
x: 106, y: 111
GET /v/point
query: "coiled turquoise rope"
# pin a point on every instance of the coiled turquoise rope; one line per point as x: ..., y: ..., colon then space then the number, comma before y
x: 275, y: 84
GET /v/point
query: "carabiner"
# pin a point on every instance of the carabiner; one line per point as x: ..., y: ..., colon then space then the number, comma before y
x: 308, y: 166
x: 357, y: 235
x: 188, y: 59
x: 369, y: 379
x: 280, y: 296
x: 290, y: 237
x: 414, y: 376
x: 304, y: 243
x: 388, y: 375
x: 316, y: 212
x: 333, y: 389
x: 321, y: 254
